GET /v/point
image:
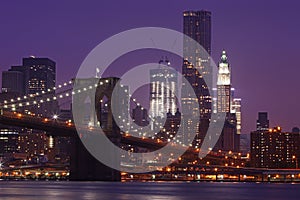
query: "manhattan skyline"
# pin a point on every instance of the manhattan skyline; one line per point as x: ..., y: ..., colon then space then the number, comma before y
x: 260, y: 39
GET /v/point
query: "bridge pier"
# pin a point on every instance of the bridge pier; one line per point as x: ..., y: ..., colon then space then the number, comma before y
x: 84, y: 167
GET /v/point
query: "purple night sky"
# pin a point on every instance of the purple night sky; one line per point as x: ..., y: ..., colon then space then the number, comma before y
x: 261, y: 38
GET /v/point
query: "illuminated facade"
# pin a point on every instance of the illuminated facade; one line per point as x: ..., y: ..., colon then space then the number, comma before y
x: 8, y: 141
x: 236, y: 105
x: 223, y: 85
x: 163, y: 90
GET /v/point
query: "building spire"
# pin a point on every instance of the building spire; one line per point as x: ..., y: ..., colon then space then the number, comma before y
x: 224, y: 57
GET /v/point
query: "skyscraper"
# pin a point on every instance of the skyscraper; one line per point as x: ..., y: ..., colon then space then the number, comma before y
x: 196, y: 66
x: 40, y: 74
x: 197, y: 71
x: 226, y: 103
x: 262, y: 124
x: 197, y: 25
x: 223, y: 85
x: 163, y: 90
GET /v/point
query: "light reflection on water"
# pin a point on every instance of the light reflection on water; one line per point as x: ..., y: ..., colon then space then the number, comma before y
x: 19, y: 190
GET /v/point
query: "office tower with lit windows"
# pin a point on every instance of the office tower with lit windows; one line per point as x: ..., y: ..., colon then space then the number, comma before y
x: 197, y: 25
x: 163, y: 91
x: 196, y: 65
x: 274, y: 148
x: 36, y: 75
x: 39, y: 74
x: 263, y: 122
x: 197, y: 70
x: 8, y: 141
x: 236, y: 107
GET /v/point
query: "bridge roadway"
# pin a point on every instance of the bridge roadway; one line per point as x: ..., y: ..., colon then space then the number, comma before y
x: 83, y: 166
x: 58, y: 128
x: 66, y: 129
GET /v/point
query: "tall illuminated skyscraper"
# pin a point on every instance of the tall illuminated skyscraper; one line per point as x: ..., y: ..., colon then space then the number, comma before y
x: 198, y: 72
x: 226, y: 103
x: 163, y: 90
x: 196, y: 66
x: 197, y: 25
x: 223, y: 85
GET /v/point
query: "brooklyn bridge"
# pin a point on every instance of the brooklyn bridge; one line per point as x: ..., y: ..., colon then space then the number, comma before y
x: 84, y: 166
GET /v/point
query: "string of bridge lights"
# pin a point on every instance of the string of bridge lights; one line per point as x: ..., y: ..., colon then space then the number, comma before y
x: 19, y: 101
x: 26, y: 100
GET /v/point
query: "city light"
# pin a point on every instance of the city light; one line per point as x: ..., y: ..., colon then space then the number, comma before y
x: 273, y: 153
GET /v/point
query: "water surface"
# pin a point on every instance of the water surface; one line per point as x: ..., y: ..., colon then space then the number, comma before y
x: 23, y: 190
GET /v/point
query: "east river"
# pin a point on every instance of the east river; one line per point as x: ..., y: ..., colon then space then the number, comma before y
x: 29, y: 190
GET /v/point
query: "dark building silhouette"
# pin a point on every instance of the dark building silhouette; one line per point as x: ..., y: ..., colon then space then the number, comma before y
x: 140, y: 116
x: 296, y: 130
x: 13, y: 82
x: 229, y: 139
x: 263, y: 122
x: 245, y: 143
x: 171, y: 126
